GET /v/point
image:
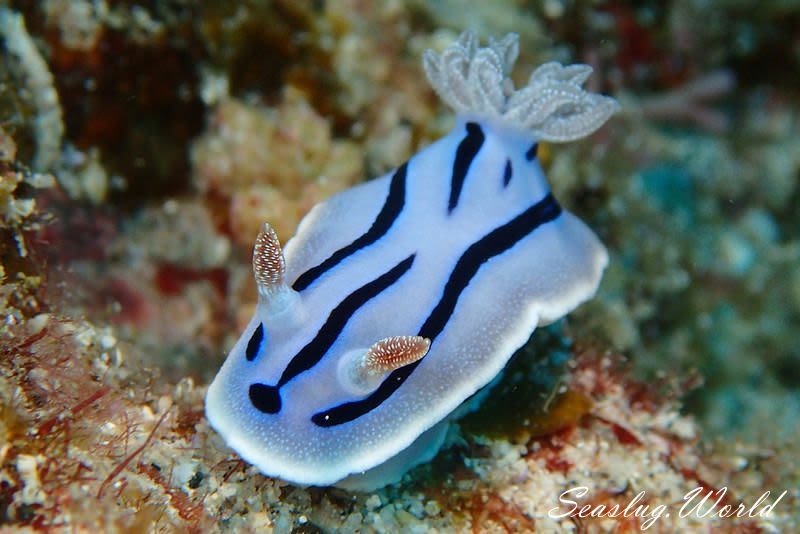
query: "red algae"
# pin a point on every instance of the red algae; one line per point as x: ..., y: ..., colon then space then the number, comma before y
x: 650, y: 453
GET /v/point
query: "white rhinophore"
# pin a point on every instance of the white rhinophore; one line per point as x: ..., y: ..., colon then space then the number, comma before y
x: 362, y: 370
x: 269, y: 268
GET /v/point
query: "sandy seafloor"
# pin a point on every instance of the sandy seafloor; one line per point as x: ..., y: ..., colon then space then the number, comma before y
x: 143, y: 143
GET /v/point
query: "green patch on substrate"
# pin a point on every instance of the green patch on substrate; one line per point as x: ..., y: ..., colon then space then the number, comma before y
x: 526, y: 402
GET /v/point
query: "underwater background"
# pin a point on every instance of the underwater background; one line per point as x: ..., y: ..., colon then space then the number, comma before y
x: 143, y: 143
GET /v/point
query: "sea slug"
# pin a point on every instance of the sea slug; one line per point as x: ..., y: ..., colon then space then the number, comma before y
x: 400, y: 298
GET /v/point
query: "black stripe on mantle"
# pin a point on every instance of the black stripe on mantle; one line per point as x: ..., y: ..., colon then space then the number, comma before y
x: 391, y: 209
x: 267, y: 398
x: 492, y: 244
x: 467, y: 149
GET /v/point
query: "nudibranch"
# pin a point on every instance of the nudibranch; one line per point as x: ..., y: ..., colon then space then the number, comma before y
x: 402, y: 297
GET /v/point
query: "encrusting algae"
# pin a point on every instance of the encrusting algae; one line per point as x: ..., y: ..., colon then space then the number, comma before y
x: 303, y: 166
x: 126, y: 278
